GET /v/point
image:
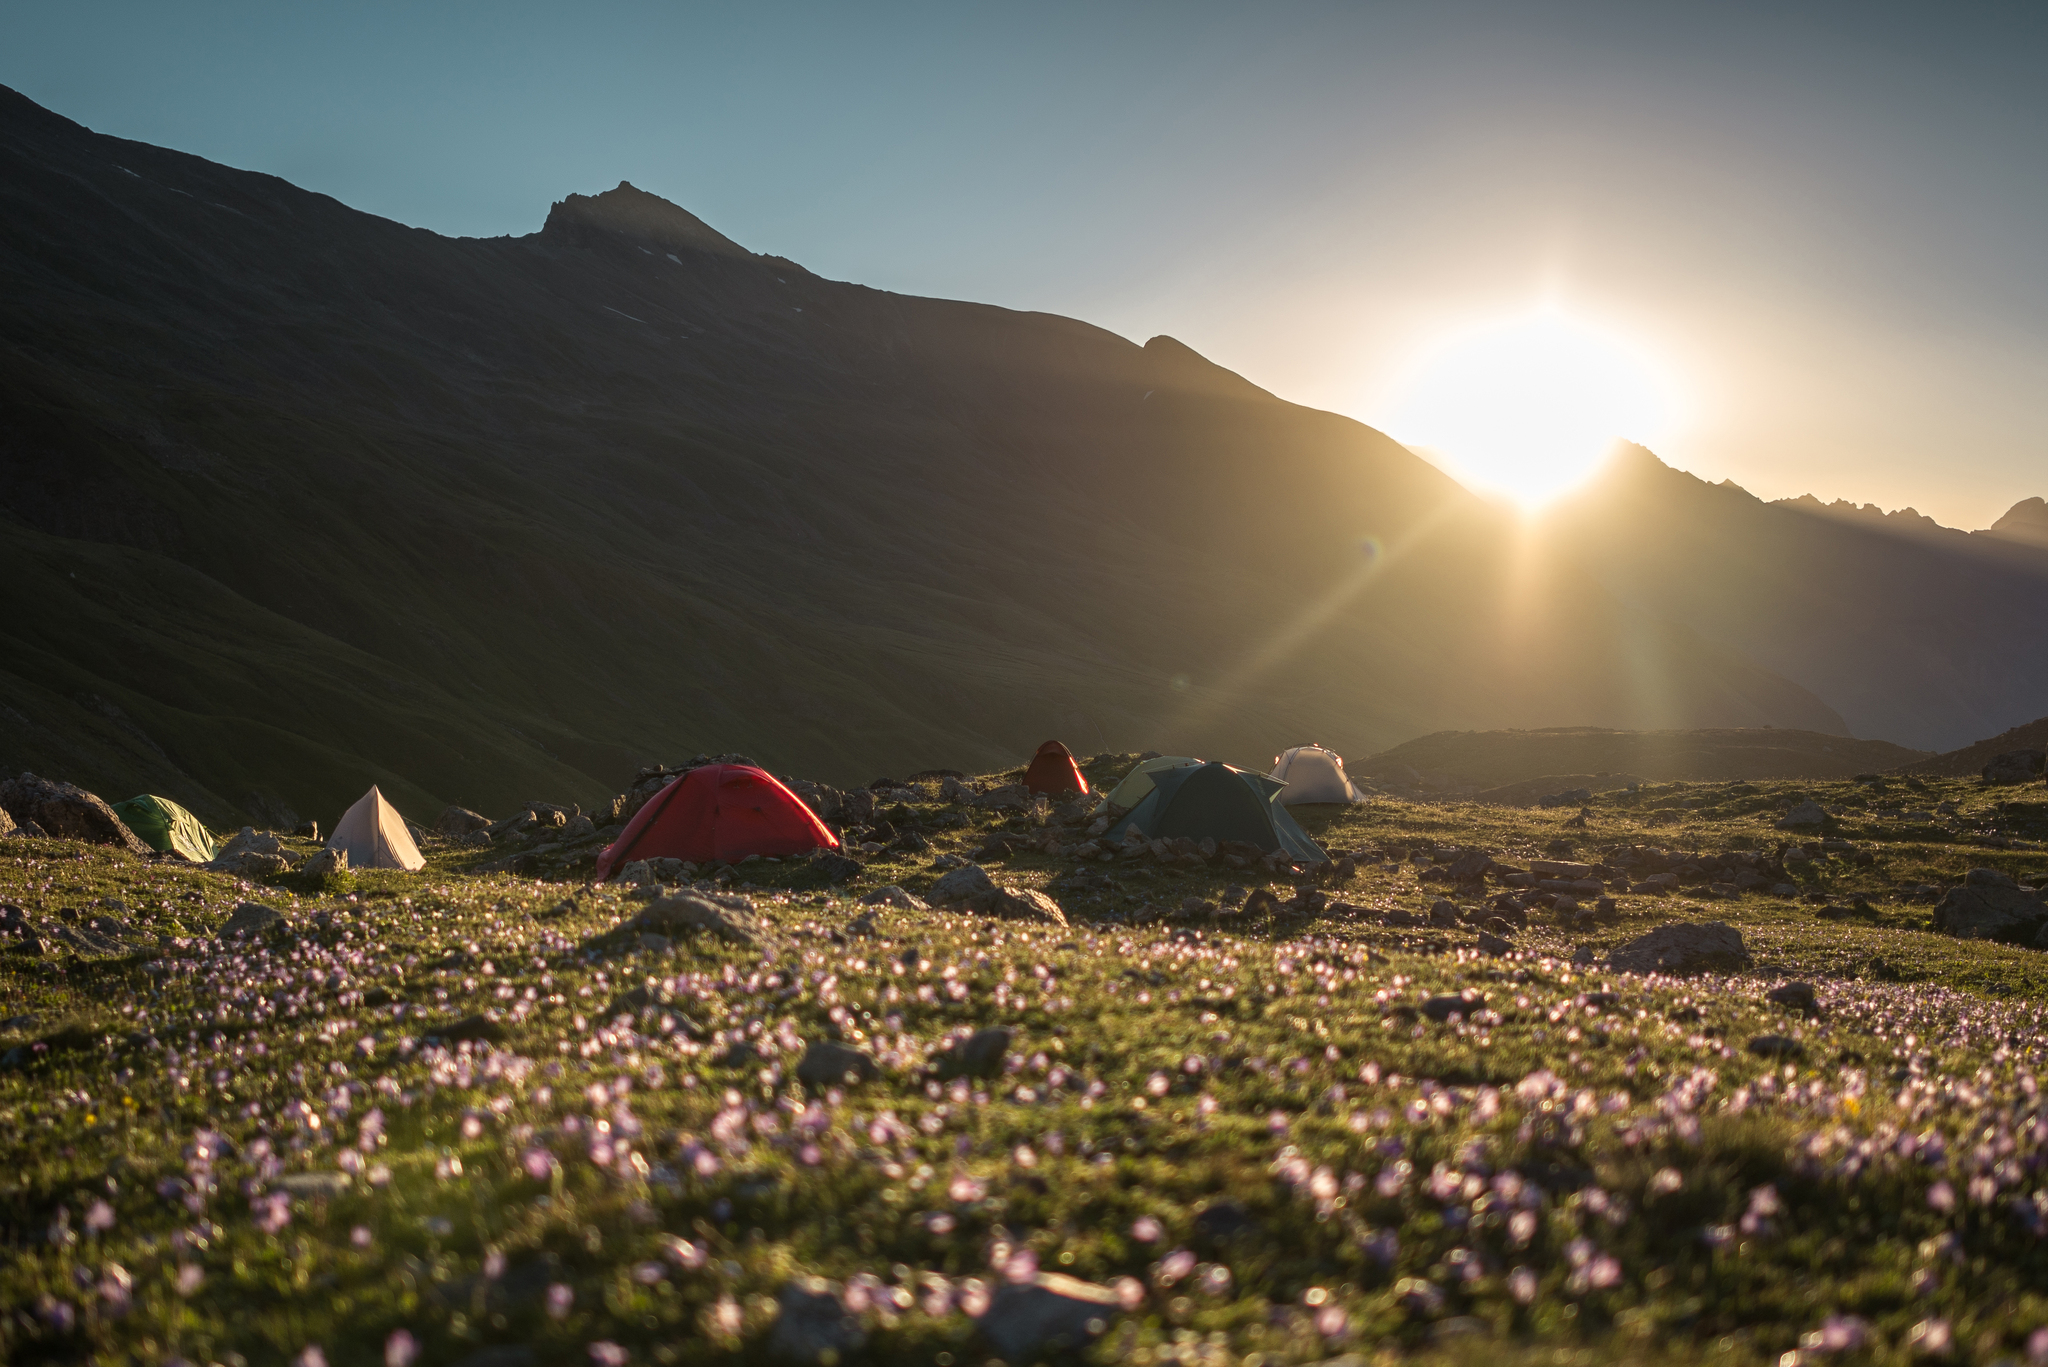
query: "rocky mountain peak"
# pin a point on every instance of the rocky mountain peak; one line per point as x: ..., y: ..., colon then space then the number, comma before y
x: 632, y: 213
x: 2026, y: 520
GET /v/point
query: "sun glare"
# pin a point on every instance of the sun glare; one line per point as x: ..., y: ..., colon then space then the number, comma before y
x: 1528, y: 407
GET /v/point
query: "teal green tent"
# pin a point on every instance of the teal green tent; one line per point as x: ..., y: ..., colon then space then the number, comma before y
x: 1220, y: 801
x: 163, y: 825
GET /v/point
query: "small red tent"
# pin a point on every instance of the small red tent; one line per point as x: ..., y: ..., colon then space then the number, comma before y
x: 722, y: 813
x: 1053, y: 771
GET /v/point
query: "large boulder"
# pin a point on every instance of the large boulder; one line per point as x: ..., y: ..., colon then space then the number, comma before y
x: 1991, y: 906
x: 65, y: 811
x: 729, y: 918
x: 250, y: 919
x: 969, y: 885
x: 1683, y: 947
x: 1807, y: 813
x: 455, y: 822
x: 1028, y: 904
x: 828, y: 1064
x: 7, y: 826
x: 2014, y: 767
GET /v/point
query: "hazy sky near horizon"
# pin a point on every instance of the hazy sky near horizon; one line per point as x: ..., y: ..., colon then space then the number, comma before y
x: 1826, y: 223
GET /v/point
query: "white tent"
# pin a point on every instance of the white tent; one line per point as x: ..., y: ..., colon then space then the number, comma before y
x: 1313, y: 774
x: 374, y: 835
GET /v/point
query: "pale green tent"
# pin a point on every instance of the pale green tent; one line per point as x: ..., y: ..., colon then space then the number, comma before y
x: 163, y: 825
x: 1137, y: 784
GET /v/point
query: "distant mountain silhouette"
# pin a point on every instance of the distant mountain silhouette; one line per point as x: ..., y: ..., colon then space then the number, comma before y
x: 2026, y: 520
x: 297, y: 499
x: 1917, y: 633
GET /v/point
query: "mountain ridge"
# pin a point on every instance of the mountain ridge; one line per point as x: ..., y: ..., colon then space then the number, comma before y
x: 309, y: 498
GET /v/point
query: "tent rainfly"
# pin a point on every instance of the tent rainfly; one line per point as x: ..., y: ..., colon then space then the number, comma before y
x: 1138, y: 783
x: 1053, y: 771
x: 163, y: 825
x: 718, y: 813
x: 1313, y: 774
x: 374, y: 836
x: 1221, y: 802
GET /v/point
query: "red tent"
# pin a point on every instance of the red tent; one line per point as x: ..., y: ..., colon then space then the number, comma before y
x: 721, y: 813
x: 1053, y: 771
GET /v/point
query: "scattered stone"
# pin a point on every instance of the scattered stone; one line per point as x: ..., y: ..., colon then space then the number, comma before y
x: 471, y: 1028
x: 326, y: 864
x: 310, y: 1184
x: 894, y: 896
x: 836, y: 867
x: 1053, y: 1313
x: 307, y: 830
x: 1010, y: 796
x: 1991, y: 906
x: 968, y: 885
x: 250, y: 919
x: 828, y: 1064
x: 66, y: 812
x: 1443, y: 913
x: 1443, y: 1008
x: 1798, y: 996
x: 1494, y: 945
x: 1807, y: 813
x: 1683, y: 947
x: 1776, y: 1046
x: 981, y: 1054
x: 730, y: 918
x: 1028, y: 904
x: 459, y: 821
x: 814, y: 1328
x: 7, y: 826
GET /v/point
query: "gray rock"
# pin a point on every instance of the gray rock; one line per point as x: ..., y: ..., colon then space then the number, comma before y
x: 1051, y: 1314
x: 691, y: 913
x: 309, y: 1184
x: 325, y: 864
x: 1987, y: 910
x: 981, y: 1054
x: 459, y: 821
x: 1807, y: 813
x: 894, y: 896
x: 250, y: 864
x: 813, y: 1327
x: 1028, y: 904
x: 7, y: 826
x: 579, y: 827
x: 828, y: 1064
x: 836, y: 867
x: 1009, y: 797
x: 1443, y: 913
x: 954, y: 791
x: 1988, y: 878
x: 66, y: 812
x: 250, y: 841
x: 1683, y: 947
x: 968, y: 885
x: 1494, y: 945
x: 1798, y: 996
x: 1776, y: 1046
x: 250, y: 919
x: 823, y: 799
x: 1443, y: 1008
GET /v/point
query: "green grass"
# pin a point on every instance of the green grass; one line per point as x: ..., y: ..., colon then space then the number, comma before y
x: 1161, y: 1063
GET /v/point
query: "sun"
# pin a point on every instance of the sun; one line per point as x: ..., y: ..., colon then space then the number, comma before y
x: 1529, y: 406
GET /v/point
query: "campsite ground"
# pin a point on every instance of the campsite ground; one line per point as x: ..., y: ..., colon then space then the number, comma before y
x: 229, y: 1152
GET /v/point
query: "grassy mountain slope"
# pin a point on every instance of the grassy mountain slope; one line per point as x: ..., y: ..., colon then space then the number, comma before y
x: 487, y: 519
x: 1971, y: 759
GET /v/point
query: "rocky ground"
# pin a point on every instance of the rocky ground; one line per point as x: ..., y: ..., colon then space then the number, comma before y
x: 1702, y: 1071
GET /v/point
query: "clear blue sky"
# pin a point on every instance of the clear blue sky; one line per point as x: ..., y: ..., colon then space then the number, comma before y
x: 1830, y: 221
